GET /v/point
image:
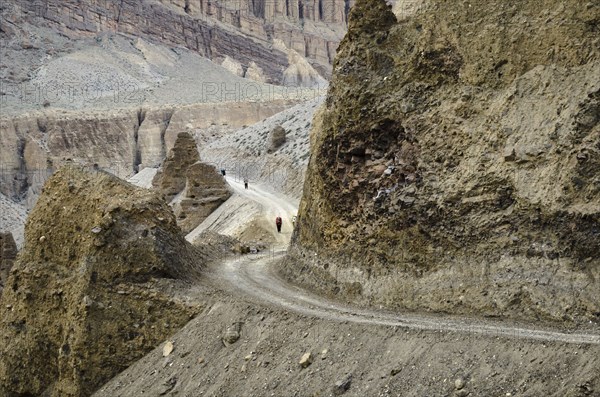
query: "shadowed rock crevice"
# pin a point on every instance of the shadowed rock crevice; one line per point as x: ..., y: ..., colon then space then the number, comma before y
x: 8, y: 254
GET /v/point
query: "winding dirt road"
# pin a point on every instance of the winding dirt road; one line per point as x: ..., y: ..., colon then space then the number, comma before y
x: 255, y: 277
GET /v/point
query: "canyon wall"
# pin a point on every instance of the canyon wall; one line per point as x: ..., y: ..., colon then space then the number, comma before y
x: 455, y: 164
x: 121, y: 141
x: 240, y: 30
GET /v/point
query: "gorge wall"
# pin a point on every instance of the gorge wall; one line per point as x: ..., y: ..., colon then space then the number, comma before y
x: 121, y: 141
x: 242, y: 31
x: 455, y: 164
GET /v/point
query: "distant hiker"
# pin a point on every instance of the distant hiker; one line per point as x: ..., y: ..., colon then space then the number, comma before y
x: 294, y: 221
x: 246, y: 183
x: 278, y: 224
x: 223, y: 171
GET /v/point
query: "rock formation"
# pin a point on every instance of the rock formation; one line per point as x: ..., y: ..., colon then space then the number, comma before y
x: 8, y: 254
x: 205, y: 191
x: 243, y: 31
x: 88, y: 293
x: 170, y: 180
x: 193, y: 188
x: 455, y: 164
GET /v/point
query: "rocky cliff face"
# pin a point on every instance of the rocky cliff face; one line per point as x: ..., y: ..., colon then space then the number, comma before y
x: 242, y: 31
x: 455, y: 164
x: 94, y: 288
x: 122, y: 141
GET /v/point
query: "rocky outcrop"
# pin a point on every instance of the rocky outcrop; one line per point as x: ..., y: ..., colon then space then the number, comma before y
x: 204, y: 192
x: 94, y: 288
x: 8, y: 254
x: 455, y: 164
x: 170, y: 180
x: 194, y: 189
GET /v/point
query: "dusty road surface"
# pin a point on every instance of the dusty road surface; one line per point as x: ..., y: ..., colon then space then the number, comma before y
x: 256, y: 277
x: 258, y: 202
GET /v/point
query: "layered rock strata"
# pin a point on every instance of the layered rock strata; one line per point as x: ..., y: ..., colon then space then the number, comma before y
x: 242, y: 30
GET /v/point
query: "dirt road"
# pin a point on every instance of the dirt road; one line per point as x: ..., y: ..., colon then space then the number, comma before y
x: 255, y: 276
x: 245, y: 205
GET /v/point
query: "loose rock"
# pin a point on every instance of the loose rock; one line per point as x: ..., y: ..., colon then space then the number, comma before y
x: 168, y: 348
x: 232, y: 334
x: 306, y: 360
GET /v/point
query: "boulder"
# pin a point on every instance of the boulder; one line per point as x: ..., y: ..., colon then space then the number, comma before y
x: 277, y: 138
x: 306, y: 360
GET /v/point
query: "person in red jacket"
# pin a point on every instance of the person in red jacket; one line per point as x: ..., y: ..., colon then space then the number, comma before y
x: 278, y: 224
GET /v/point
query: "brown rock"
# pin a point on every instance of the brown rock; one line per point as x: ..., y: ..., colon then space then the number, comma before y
x: 100, y: 334
x: 232, y: 334
x: 200, y: 185
x: 467, y: 188
x: 171, y: 179
x: 205, y: 190
x: 168, y: 348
